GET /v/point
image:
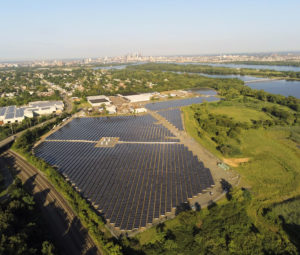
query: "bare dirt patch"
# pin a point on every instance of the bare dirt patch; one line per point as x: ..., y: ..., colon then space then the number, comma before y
x: 235, y: 162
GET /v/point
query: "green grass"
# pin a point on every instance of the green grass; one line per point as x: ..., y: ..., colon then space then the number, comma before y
x: 243, y: 114
x: 274, y: 168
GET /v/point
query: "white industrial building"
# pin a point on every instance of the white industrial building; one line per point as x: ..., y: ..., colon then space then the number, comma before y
x: 140, y: 97
x: 98, y: 100
x: 13, y: 114
x: 59, y: 105
x: 111, y: 109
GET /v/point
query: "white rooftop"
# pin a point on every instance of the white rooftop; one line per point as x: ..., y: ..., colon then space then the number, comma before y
x: 139, y: 98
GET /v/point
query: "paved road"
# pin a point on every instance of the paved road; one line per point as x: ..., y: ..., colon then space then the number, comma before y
x: 66, y: 228
x: 68, y: 104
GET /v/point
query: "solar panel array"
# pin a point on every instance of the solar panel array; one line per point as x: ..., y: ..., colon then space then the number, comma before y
x: 2, y: 111
x: 178, y: 103
x: 19, y: 112
x: 140, y: 178
x: 127, y: 128
x: 132, y: 184
x: 173, y: 116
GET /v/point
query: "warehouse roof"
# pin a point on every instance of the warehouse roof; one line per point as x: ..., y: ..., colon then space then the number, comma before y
x: 100, y: 100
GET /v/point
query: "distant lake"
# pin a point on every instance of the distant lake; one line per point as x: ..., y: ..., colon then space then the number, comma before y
x: 282, y: 87
x: 277, y: 68
x: 232, y: 76
x: 110, y: 67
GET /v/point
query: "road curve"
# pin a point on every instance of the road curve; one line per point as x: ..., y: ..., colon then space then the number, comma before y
x: 69, y: 234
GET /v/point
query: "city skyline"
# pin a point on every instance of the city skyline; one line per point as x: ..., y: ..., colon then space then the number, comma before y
x: 73, y: 29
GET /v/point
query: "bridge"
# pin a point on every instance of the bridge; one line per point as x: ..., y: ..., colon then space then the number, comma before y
x: 6, y: 142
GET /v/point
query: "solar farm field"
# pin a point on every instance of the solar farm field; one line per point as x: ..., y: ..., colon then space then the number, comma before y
x: 141, y: 174
x: 127, y: 128
x: 130, y: 183
x: 173, y: 116
x: 178, y: 103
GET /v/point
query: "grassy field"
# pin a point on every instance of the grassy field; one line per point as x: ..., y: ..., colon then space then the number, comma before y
x: 243, y: 114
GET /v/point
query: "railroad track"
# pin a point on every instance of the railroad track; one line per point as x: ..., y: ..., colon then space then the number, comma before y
x: 65, y: 225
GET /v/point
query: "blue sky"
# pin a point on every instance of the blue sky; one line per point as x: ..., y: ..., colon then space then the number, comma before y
x: 32, y: 29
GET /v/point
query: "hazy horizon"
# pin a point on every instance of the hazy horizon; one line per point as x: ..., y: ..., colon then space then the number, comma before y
x: 76, y: 29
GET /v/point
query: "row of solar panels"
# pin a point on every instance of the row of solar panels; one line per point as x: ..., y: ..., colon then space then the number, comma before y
x: 130, y: 183
x: 178, y: 103
x: 173, y: 116
x: 127, y: 128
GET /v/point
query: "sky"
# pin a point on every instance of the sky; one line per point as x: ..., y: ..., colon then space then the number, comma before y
x: 51, y: 29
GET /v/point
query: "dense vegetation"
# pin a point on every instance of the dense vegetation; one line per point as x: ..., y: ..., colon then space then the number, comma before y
x: 223, y: 228
x: 89, y: 218
x: 140, y: 81
x: 288, y: 214
x: 21, y: 226
x: 217, y: 70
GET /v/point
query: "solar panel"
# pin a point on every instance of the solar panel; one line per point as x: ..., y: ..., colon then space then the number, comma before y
x: 10, y: 115
x: 11, y: 109
x: 19, y: 113
x: 2, y: 111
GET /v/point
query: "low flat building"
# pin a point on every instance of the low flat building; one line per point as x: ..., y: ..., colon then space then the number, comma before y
x: 139, y: 98
x: 12, y: 114
x: 96, y: 101
x: 59, y: 105
x: 111, y: 109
